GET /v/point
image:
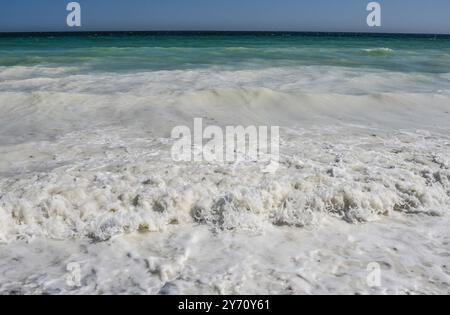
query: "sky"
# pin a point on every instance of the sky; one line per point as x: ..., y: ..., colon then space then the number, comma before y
x: 398, y: 16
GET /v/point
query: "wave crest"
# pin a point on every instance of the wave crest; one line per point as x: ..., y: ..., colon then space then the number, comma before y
x: 129, y: 185
x: 382, y: 51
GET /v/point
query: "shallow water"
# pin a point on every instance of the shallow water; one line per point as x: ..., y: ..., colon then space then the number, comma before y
x: 86, y: 174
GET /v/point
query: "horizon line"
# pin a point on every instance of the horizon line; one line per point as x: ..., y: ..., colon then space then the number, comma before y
x: 217, y: 31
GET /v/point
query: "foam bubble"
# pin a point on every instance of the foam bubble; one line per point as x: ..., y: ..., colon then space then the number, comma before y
x: 114, y: 186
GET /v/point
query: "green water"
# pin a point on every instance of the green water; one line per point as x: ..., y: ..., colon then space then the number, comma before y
x: 131, y: 52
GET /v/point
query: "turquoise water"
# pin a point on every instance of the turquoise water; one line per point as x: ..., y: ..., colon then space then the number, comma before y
x: 131, y: 52
x: 87, y: 173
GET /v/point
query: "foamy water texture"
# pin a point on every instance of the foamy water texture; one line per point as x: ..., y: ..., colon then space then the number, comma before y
x: 87, y: 178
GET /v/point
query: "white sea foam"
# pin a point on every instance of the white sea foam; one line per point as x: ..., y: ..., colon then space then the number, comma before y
x: 86, y: 158
x: 100, y: 184
x: 314, y: 79
x: 383, y: 51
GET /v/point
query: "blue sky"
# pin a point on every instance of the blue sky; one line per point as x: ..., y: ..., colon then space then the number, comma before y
x: 416, y: 16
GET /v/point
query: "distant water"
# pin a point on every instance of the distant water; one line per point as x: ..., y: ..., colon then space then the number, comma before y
x: 87, y: 180
x: 122, y: 52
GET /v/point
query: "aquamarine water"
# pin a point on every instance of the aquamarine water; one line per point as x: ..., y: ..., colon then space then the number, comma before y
x: 88, y: 182
x: 131, y: 52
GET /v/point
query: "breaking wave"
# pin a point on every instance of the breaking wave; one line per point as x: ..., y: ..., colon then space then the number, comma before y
x: 99, y: 186
x: 383, y: 51
x: 88, y: 155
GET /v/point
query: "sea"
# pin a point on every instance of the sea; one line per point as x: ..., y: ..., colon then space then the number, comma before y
x: 92, y: 201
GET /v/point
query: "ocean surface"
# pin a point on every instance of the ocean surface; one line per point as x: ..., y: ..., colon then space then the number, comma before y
x: 92, y: 202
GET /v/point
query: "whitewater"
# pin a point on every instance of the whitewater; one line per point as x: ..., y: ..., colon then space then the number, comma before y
x: 87, y: 180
